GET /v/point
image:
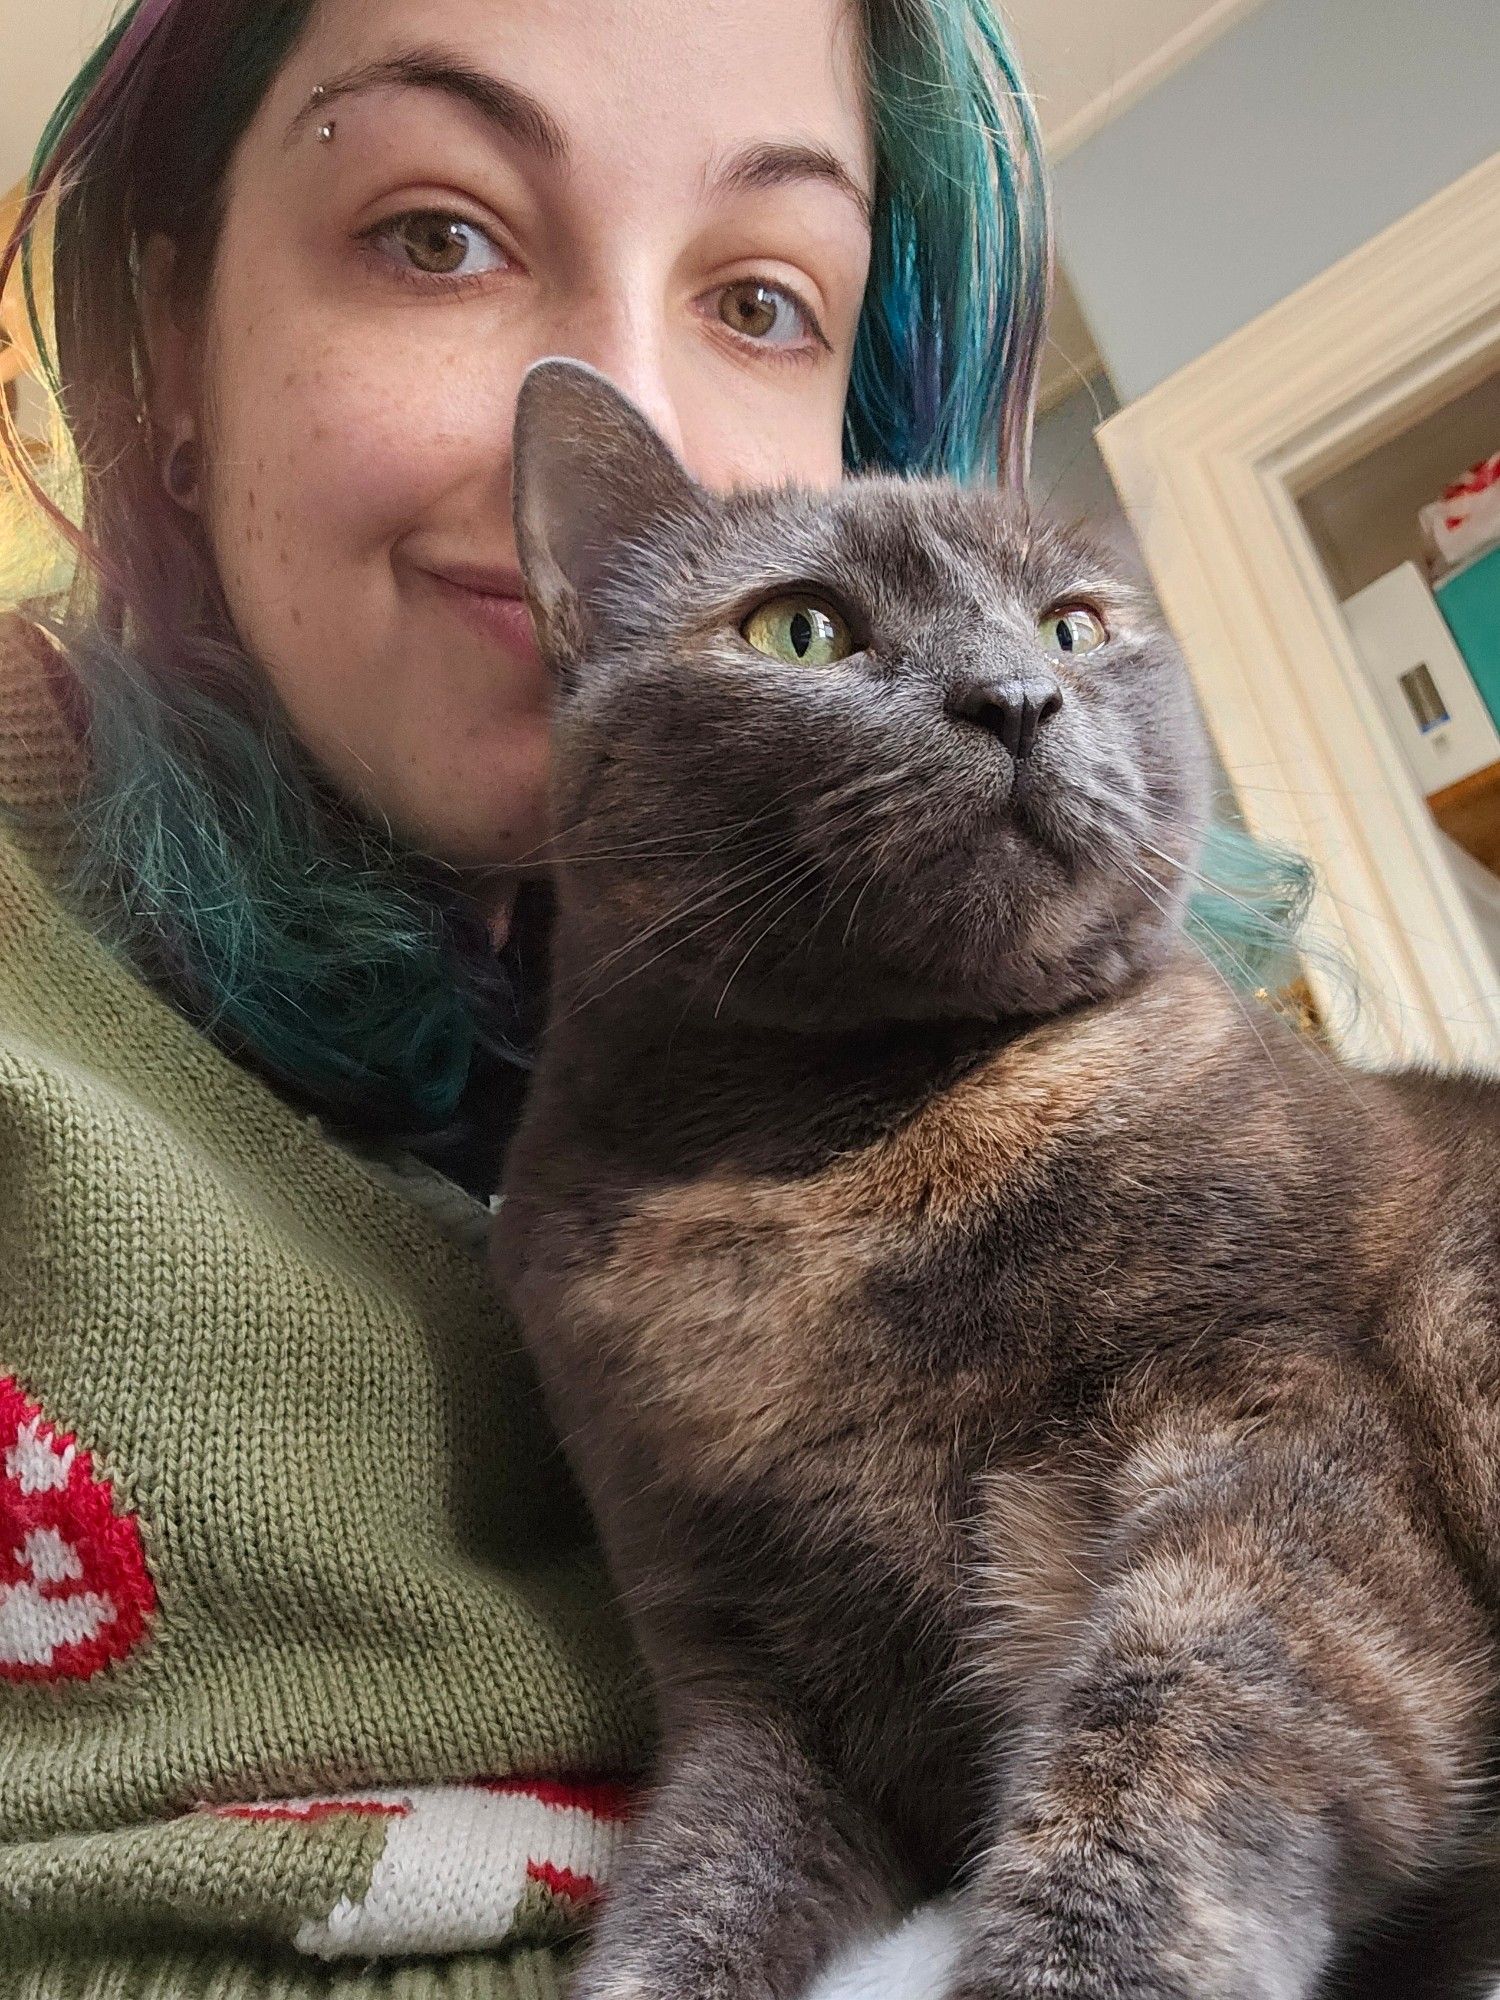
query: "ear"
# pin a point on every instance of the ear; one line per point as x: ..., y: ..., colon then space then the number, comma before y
x: 170, y: 350
x: 589, y: 472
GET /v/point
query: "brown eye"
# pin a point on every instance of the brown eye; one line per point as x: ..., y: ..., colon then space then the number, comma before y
x: 799, y: 630
x: 439, y: 245
x: 763, y: 313
x: 433, y: 242
x: 1070, y: 630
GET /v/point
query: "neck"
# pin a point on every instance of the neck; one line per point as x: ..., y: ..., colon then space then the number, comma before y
x: 680, y: 1090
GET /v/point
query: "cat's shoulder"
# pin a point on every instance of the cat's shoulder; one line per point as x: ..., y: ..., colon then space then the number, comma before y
x: 1098, y: 1076
x: 1179, y: 1025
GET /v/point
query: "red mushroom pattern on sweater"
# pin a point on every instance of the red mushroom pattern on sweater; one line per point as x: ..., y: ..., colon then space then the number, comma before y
x: 75, y: 1592
x: 459, y: 1859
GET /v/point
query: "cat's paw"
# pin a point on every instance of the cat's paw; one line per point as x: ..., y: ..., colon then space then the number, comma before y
x: 1049, y: 1975
x: 914, y: 1961
x: 665, y: 1983
x: 1020, y: 1958
x: 1044, y: 1982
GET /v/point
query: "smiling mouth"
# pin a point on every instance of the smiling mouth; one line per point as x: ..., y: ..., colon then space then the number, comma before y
x: 500, y: 615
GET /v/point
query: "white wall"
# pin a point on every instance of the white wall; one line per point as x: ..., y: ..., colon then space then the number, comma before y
x: 1068, y: 476
x: 1086, y: 60
x: 1301, y: 133
x: 42, y: 46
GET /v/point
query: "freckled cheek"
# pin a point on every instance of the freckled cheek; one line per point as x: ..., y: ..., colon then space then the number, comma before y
x: 390, y: 447
x: 334, y: 462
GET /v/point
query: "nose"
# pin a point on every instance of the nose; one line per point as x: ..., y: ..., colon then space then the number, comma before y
x: 1013, y: 706
x: 632, y: 354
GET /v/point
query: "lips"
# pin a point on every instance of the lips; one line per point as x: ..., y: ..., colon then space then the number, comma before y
x: 484, y: 581
x: 491, y: 603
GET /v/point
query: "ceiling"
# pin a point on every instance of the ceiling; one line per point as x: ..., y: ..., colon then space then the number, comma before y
x: 1087, y: 60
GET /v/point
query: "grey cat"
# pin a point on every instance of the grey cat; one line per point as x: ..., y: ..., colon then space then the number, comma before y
x: 1042, y: 1413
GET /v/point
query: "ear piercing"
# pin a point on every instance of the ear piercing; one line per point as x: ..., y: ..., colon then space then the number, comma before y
x: 180, y: 476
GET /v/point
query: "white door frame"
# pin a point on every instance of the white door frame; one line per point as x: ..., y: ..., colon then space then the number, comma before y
x: 1208, y: 466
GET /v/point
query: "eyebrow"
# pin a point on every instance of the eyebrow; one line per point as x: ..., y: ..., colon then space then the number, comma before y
x: 765, y: 163
x: 768, y: 163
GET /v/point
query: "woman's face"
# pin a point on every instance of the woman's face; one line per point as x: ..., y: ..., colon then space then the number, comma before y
x: 673, y: 190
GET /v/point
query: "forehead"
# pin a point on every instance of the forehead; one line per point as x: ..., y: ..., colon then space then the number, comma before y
x: 642, y: 91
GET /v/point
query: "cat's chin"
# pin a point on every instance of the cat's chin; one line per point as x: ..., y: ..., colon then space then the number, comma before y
x: 1017, y: 935
x: 871, y: 1000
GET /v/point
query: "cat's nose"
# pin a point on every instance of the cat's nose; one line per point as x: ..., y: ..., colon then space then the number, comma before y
x: 1014, y: 707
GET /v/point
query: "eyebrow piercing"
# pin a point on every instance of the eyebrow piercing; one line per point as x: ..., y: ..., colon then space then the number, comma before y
x: 326, y: 131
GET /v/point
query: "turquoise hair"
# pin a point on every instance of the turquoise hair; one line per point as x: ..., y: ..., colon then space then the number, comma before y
x: 299, y: 935
x: 285, y: 922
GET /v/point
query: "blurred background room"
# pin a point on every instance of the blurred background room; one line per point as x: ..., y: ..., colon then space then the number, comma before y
x: 1274, y: 379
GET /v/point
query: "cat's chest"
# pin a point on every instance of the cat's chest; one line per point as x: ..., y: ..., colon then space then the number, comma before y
x: 735, y: 1340
x: 753, y: 1437
x: 871, y: 1307
x: 726, y: 1320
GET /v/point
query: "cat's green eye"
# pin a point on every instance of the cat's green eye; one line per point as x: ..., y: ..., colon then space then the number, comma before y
x: 1070, y: 630
x: 800, y: 630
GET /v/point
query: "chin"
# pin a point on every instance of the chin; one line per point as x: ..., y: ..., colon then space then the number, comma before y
x: 486, y: 844
x: 503, y: 837
x: 485, y: 813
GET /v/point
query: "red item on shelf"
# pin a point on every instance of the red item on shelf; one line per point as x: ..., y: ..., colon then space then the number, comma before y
x: 1466, y: 519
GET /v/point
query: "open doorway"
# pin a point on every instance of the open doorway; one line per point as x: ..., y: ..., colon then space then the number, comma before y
x: 1240, y: 476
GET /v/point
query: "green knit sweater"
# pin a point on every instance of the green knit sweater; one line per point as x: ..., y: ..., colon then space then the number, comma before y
x: 308, y: 1676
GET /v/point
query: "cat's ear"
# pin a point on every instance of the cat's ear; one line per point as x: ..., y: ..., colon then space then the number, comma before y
x: 589, y: 472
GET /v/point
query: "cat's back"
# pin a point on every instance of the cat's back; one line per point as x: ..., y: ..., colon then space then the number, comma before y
x: 1457, y: 1112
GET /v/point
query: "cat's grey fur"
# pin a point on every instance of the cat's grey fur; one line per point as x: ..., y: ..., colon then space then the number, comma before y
x: 1042, y: 1413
